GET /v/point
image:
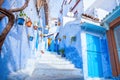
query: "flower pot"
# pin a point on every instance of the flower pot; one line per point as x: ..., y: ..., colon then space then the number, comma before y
x: 59, y: 23
x: 20, y: 21
x: 46, y: 31
x: 73, y: 38
x: 30, y: 38
x: 40, y: 28
x: 28, y: 23
x: 35, y: 27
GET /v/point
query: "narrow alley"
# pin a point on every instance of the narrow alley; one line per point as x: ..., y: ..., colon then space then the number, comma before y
x: 48, y: 67
x: 59, y: 40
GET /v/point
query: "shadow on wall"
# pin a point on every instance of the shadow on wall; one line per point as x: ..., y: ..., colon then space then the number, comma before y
x: 7, y: 63
x: 72, y: 54
x: 106, y: 59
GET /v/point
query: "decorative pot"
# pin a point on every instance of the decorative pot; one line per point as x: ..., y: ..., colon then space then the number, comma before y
x: 35, y: 27
x: 20, y: 21
x: 46, y: 31
x: 30, y: 38
x: 28, y: 23
x: 40, y: 28
x: 59, y: 23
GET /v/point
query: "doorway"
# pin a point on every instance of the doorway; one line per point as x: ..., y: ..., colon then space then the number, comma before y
x: 94, y: 56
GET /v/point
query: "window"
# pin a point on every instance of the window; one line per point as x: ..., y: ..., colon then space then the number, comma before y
x: 117, y: 39
x: 114, y: 45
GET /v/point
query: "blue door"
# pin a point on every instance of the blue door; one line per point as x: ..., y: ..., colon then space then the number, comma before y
x: 94, y: 56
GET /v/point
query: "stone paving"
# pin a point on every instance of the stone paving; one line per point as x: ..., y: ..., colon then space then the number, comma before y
x: 48, y: 67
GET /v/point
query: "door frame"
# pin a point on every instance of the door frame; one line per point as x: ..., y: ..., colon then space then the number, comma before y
x: 113, y: 48
x: 99, y: 36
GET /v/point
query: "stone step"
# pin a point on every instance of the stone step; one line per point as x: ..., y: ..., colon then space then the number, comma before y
x: 58, y: 71
x: 56, y: 74
x: 48, y: 67
x: 54, y: 66
x: 55, y: 62
x: 50, y: 56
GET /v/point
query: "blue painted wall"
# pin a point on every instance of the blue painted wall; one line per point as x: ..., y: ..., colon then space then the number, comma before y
x: 96, y: 50
x: 72, y: 49
x: 17, y: 49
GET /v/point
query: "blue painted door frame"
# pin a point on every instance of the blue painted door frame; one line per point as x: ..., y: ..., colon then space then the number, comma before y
x: 94, y: 60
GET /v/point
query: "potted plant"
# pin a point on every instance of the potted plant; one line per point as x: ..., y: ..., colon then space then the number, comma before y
x: 35, y: 26
x: 30, y: 38
x: 64, y: 36
x: 46, y: 31
x: 59, y: 39
x: 73, y: 38
x: 28, y: 22
x: 40, y: 28
x: 62, y: 51
x: 59, y: 23
x: 21, y: 18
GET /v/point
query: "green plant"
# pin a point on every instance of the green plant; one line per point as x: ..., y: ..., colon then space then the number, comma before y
x: 73, y: 38
x: 62, y: 52
x: 64, y: 36
x: 22, y: 14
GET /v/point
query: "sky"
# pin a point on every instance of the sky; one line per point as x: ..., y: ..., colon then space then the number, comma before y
x: 88, y: 3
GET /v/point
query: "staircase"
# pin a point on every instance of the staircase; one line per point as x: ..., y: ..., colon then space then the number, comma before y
x: 48, y: 66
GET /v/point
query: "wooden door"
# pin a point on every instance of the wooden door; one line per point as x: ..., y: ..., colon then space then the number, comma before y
x: 94, y: 56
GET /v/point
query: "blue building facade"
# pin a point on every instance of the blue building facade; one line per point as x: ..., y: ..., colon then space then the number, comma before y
x: 112, y: 23
x: 21, y: 42
x: 95, y: 54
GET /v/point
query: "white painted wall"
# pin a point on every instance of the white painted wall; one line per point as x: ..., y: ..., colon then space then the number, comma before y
x: 101, y: 8
x: 54, y: 8
x: 87, y: 3
x: 104, y: 4
x: 79, y: 8
x: 67, y: 19
x: 84, y: 54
